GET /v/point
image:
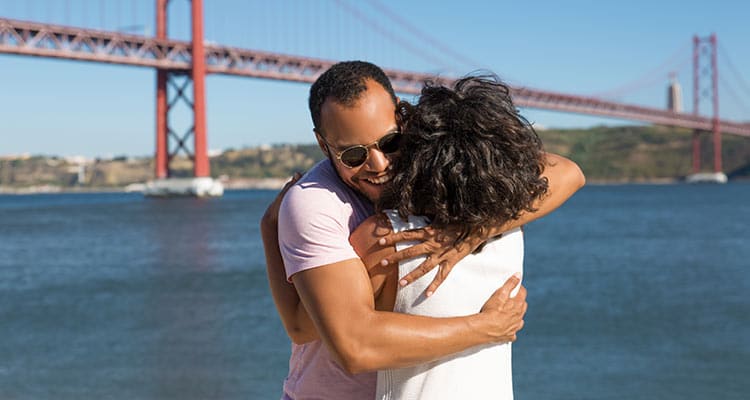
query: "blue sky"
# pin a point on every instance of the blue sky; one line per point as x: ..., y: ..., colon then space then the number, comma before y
x: 582, y: 47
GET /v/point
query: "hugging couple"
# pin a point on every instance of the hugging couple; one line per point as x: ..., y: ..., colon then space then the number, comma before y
x: 395, y: 263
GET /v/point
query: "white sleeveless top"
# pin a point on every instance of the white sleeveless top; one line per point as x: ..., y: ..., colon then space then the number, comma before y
x: 482, y: 372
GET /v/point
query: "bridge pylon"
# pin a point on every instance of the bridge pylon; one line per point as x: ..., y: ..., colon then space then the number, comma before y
x: 705, y: 65
x: 169, y: 143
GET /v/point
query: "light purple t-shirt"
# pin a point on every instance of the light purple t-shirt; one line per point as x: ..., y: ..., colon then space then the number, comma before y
x: 316, y: 218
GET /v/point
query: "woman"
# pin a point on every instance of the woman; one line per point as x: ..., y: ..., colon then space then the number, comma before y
x: 469, y: 162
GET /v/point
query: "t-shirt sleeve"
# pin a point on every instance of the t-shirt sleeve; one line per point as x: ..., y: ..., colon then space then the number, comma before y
x: 313, y: 229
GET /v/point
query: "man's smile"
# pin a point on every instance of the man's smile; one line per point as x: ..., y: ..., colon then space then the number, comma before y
x: 380, y: 179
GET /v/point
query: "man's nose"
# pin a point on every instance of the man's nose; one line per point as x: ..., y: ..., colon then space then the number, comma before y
x: 377, y: 161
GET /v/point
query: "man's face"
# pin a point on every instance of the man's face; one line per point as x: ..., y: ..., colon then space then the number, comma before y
x: 372, y: 117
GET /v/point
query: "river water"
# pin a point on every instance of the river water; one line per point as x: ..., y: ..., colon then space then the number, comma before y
x: 635, y: 291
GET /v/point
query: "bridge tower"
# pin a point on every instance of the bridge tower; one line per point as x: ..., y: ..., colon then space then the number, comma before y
x: 170, y: 143
x: 705, y: 66
x: 674, y: 94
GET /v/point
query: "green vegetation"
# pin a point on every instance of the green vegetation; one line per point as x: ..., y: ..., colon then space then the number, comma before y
x: 274, y: 162
x: 606, y: 154
x: 643, y: 153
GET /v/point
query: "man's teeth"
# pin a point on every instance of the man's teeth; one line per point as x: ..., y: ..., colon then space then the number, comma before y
x: 379, y: 181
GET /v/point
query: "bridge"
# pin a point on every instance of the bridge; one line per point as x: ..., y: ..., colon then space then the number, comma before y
x: 180, y: 64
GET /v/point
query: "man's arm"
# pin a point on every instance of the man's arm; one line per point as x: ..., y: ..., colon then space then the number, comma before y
x: 340, y: 301
x: 564, y: 178
x: 296, y: 322
x: 363, y: 339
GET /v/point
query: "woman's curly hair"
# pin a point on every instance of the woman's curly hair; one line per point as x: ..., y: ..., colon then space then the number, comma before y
x: 468, y: 159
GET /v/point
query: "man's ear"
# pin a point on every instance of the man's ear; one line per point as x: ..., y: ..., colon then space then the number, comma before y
x: 323, y: 146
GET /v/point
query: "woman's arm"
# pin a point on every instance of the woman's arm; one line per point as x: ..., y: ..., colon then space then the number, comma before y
x: 564, y: 179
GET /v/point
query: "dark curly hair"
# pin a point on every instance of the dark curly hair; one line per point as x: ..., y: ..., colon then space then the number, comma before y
x: 468, y: 158
x: 345, y: 82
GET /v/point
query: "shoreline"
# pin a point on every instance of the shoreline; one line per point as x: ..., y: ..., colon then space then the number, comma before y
x: 276, y: 184
x: 231, y: 184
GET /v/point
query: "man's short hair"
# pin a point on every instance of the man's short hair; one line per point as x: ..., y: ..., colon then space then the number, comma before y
x: 345, y: 82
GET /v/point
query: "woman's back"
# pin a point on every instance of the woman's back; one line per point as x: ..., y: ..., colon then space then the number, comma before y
x: 481, y: 372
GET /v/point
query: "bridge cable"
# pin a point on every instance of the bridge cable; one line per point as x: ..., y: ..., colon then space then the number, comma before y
x: 651, y: 76
x: 67, y: 12
x: 118, y: 13
x: 85, y: 13
x: 102, y: 11
x: 734, y: 95
x: 134, y: 19
x: 47, y: 17
x: 735, y: 71
x: 378, y: 28
x: 422, y: 35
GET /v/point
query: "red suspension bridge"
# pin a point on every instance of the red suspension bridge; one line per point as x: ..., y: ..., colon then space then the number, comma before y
x: 181, y: 68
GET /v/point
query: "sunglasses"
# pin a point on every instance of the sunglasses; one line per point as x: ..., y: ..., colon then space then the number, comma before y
x: 355, y: 156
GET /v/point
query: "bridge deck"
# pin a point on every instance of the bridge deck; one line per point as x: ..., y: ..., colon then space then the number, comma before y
x: 44, y: 40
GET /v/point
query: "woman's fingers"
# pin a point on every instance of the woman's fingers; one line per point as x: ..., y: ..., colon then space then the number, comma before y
x: 418, y: 234
x: 289, y: 184
x: 437, y: 245
x: 271, y: 215
x: 406, y: 254
x: 426, y: 266
x: 444, y: 268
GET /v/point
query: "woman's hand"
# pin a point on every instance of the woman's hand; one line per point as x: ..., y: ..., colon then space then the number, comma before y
x: 271, y: 216
x: 439, y: 247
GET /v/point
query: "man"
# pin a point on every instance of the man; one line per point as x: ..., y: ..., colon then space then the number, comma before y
x: 353, y: 108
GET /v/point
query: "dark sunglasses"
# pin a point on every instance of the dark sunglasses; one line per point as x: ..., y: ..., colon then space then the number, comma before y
x: 355, y: 156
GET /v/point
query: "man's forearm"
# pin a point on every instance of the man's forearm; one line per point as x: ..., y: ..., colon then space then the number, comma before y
x: 339, y: 300
x: 396, y: 340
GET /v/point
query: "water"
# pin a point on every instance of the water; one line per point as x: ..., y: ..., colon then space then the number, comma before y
x: 634, y: 292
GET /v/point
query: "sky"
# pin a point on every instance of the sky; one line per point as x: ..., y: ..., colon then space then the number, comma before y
x: 621, y: 50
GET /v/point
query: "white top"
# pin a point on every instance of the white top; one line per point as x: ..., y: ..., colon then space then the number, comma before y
x: 482, y: 372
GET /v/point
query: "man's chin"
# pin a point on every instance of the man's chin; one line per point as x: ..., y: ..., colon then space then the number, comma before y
x: 370, y: 191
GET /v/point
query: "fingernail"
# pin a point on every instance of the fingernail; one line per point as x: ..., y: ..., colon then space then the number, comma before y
x: 402, y: 282
x: 429, y: 293
x: 382, y: 241
x: 517, y: 275
x: 384, y: 262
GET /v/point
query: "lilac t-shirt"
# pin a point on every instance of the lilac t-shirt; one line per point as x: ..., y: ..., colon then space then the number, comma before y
x: 315, y: 220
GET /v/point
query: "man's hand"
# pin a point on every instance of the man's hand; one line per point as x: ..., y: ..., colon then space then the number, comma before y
x: 505, y: 313
x: 439, y: 247
x: 271, y: 217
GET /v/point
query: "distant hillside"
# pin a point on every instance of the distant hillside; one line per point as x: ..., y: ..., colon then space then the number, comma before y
x: 643, y: 153
x: 606, y: 154
x: 269, y: 162
x: 253, y: 163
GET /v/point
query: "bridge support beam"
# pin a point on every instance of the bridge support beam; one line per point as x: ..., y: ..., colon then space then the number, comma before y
x: 198, y: 75
x: 715, y: 102
x: 162, y: 134
x: 706, y: 48
x: 172, y: 88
